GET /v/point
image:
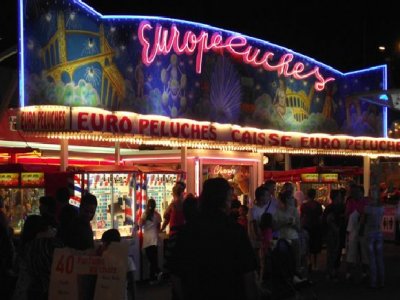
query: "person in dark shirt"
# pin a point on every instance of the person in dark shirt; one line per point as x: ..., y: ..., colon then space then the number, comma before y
x: 213, y: 257
x: 311, y: 218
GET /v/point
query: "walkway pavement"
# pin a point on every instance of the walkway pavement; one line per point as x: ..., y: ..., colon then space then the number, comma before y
x: 323, y: 288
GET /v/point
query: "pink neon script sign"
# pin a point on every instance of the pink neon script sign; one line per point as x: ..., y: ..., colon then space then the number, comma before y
x: 167, y: 40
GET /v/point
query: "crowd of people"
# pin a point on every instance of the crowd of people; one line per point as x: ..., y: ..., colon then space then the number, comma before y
x: 26, y: 261
x: 218, y: 247
x: 227, y: 250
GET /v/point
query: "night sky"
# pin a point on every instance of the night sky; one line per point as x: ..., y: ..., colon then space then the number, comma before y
x: 343, y: 34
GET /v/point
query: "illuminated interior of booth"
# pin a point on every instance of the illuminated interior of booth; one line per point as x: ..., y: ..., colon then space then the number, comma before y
x: 122, y: 191
x: 321, y: 178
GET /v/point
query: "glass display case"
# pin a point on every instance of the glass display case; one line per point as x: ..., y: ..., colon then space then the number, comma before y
x: 21, y: 192
x: 159, y: 187
x: 114, y: 193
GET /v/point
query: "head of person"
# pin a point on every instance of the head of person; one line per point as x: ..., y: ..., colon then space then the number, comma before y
x: 311, y: 194
x: 47, y: 206
x: 262, y: 195
x: 335, y: 196
x: 62, y: 196
x: 190, y: 207
x: 288, y: 188
x: 178, y: 190
x: 270, y: 186
x: 150, y: 208
x: 109, y: 236
x: 88, y: 207
x: 216, y: 196
x: 235, y: 204
x: 33, y: 225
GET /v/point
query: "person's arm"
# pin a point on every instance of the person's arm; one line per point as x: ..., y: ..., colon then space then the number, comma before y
x: 142, y: 219
x: 167, y: 216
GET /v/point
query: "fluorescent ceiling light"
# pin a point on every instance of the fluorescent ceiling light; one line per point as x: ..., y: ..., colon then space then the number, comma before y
x: 72, y: 148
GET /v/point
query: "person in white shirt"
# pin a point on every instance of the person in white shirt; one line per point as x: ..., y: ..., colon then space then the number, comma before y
x: 263, y: 204
x: 151, y: 222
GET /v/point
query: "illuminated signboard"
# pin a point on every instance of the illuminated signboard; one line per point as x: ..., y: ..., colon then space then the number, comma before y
x: 333, y: 177
x: 126, y: 126
x: 32, y: 179
x: 309, y: 177
x: 73, y: 56
x: 9, y: 179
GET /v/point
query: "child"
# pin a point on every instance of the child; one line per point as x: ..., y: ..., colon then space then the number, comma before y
x: 112, y: 235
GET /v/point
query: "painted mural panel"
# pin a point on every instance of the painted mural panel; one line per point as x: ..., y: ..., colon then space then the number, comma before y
x: 76, y: 57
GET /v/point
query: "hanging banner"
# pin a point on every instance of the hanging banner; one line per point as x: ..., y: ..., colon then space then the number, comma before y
x: 32, y: 179
x: 311, y: 177
x: 9, y: 179
x: 333, y: 177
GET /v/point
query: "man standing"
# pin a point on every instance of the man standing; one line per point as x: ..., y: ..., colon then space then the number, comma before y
x: 88, y: 207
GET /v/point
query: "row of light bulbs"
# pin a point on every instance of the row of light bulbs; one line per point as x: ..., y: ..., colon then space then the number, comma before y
x: 224, y: 146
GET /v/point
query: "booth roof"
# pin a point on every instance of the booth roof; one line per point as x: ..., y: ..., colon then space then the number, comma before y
x: 124, y: 169
x: 15, y: 168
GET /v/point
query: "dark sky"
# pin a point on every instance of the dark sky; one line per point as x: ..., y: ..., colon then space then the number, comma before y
x: 342, y: 34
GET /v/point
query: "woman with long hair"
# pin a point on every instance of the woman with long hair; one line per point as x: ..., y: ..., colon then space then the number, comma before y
x: 150, y: 222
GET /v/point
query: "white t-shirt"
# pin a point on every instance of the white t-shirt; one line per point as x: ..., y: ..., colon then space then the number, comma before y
x: 353, y: 225
x: 151, y: 230
x: 257, y: 211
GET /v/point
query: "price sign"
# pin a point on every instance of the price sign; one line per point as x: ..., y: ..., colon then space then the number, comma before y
x: 76, y: 275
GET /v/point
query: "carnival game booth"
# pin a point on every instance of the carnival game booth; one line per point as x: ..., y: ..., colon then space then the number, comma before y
x: 239, y: 168
x: 166, y: 84
x: 321, y: 178
x: 122, y: 193
x: 115, y: 190
x: 21, y: 187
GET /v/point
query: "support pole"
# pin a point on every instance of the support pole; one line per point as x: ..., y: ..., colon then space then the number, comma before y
x: 288, y: 162
x: 63, y: 155
x: 367, y: 174
x: 117, y: 153
x: 184, y: 160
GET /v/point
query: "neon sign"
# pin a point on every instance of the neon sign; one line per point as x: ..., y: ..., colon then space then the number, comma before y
x: 167, y: 40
